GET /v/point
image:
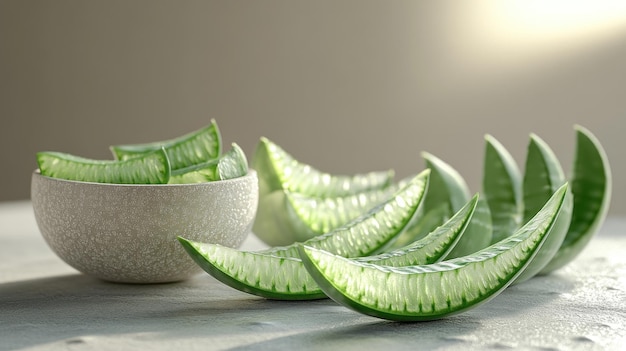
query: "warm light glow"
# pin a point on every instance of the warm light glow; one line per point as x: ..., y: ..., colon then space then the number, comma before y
x: 499, y: 40
x: 558, y: 19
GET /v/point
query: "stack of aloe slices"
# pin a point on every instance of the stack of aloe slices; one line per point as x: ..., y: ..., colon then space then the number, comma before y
x: 298, y: 202
x: 195, y: 157
x: 422, y: 248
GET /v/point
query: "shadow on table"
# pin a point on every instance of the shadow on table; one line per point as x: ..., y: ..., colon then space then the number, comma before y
x: 67, y: 308
x: 74, y: 309
x: 359, y: 332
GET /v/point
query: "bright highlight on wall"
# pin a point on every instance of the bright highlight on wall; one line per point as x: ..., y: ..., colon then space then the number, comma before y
x: 499, y: 40
x: 576, y: 20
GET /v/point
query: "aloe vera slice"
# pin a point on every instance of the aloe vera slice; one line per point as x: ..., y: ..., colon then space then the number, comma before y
x: 591, y: 184
x: 433, y: 247
x: 278, y: 273
x: 542, y: 176
x: 447, y: 193
x: 435, y: 291
x: 150, y: 168
x: 232, y: 164
x: 310, y: 216
x: 502, y: 187
x: 278, y: 170
x: 199, y: 146
x: 198, y: 173
x: 280, y: 173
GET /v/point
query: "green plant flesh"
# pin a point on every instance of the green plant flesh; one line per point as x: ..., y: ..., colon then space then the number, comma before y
x: 542, y: 176
x: 447, y: 193
x: 502, y: 186
x: 278, y: 170
x: 477, y: 235
x: 591, y: 184
x: 427, y: 292
x: 310, y: 216
x: 282, y: 177
x: 232, y: 164
x: 278, y: 273
x: 434, y: 247
x: 202, y: 172
x: 150, y: 168
x: 193, y: 148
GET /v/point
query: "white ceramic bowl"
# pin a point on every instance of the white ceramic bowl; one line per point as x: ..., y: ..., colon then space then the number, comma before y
x: 128, y: 233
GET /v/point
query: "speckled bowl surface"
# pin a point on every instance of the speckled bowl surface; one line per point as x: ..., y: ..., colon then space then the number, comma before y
x: 127, y: 233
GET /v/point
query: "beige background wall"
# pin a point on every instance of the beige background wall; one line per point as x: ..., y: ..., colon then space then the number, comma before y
x: 346, y: 86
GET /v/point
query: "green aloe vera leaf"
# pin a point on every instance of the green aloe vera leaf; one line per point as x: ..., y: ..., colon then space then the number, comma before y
x: 310, y: 216
x: 150, y: 168
x: 447, y: 192
x: 278, y: 273
x: 502, y: 187
x: 232, y: 164
x: 434, y: 247
x: 278, y: 170
x: 280, y: 173
x: 198, y: 173
x: 591, y: 184
x: 447, y: 183
x: 434, y: 291
x: 477, y: 236
x: 542, y: 176
x: 199, y: 146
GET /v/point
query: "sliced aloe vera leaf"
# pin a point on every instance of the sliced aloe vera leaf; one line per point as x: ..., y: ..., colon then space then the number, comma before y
x: 198, y: 173
x: 199, y: 146
x: 447, y: 193
x: 502, y: 187
x: 278, y: 273
x: 272, y: 277
x: 310, y: 216
x: 433, y: 247
x: 280, y: 173
x: 150, y: 168
x: 434, y: 291
x: 542, y: 176
x: 478, y: 234
x: 450, y: 186
x: 278, y: 170
x: 591, y: 184
x: 232, y: 164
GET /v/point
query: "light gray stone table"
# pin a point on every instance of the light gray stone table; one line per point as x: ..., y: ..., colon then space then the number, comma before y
x: 47, y: 305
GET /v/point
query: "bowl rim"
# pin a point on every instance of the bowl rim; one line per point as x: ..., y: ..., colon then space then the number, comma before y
x: 251, y: 174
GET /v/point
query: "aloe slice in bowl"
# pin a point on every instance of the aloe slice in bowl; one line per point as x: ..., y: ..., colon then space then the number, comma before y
x: 428, y: 292
x: 447, y: 193
x: 502, y: 187
x: 199, y: 146
x: 198, y: 173
x: 591, y: 184
x: 150, y: 168
x: 278, y: 273
x: 232, y: 164
x: 542, y: 176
